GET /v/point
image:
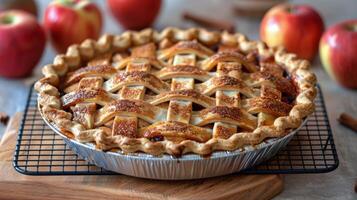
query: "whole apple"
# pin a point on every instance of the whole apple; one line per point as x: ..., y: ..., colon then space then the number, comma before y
x: 22, y: 41
x: 296, y: 27
x: 72, y: 21
x: 135, y: 14
x: 28, y: 5
x: 338, y: 52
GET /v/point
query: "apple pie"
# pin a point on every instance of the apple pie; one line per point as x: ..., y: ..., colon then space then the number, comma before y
x: 175, y: 92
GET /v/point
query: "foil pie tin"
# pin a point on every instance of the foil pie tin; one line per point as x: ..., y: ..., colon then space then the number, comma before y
x: 188, y: 166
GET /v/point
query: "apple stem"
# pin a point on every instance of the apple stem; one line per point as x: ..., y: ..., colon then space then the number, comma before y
x: 69, y: 3
x: 291, y: 9
x: 351, y: 27
x: 76, y: 4
x: 7, y: 19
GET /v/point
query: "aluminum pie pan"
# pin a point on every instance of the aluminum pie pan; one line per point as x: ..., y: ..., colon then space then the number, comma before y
x: 167, y: 167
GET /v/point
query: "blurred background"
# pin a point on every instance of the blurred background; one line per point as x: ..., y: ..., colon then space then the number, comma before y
x: 13, y: 91
x: 244, y: 16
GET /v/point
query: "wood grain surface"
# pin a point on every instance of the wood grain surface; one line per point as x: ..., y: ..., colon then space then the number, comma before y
x: 336, y: 185
x: 14, y: 185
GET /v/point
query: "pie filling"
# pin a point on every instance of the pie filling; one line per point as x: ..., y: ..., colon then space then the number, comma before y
x: 178, y: 92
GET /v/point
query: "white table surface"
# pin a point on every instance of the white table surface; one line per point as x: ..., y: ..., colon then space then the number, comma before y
x: 334, y: 185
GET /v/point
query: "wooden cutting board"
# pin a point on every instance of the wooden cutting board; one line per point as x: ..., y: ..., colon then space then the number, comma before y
x: 14, y: 185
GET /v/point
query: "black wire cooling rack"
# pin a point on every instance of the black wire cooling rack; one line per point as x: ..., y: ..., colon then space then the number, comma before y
x: 40, y: 151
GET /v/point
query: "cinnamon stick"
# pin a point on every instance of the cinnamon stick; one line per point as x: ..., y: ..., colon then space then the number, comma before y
x: 4, y: 118
x: 209, y: 23
x: 249, y: 12
x: 348, y: 121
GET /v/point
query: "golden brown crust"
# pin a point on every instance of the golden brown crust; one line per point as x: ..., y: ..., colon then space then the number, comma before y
x: 172, y: 128
x: 190, y: 95
x: 228, y: 56
x: 231, y: 115
x: 227, y: 86
x: 135, y: 78
x: 83, y: 113
x: 186, y: 47
x: 100, y: 97
x: 268, y: 106
x: 97, y: 70
x: 183, y: 71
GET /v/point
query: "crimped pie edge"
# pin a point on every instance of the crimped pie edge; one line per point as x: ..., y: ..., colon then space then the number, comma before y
x: 49, y: 96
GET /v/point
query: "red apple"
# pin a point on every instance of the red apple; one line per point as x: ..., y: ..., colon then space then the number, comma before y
x: 296, y: 27
x: 27, y: 5
x: 72, y: 21
x: 338, y: 52
x: 22, y: 41
x: 135, y: 14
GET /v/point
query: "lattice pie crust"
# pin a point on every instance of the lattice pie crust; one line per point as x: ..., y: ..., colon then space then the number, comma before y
x: 175, y: 92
